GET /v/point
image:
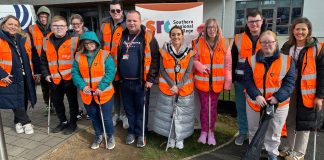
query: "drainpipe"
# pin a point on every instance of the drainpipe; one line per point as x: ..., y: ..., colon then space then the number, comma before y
x: 3, y: 148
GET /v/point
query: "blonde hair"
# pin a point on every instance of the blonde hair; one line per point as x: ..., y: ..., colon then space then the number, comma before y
x: 58, y: 18
x: 270, y: 33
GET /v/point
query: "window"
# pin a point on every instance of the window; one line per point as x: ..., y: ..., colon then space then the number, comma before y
x: 278, y: 14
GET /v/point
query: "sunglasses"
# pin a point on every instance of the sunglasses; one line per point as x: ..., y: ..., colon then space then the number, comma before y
x: 115, y: 11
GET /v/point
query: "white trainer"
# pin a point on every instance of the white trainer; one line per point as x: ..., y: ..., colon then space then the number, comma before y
x: 19, y: 128
x: 28, y: 128
x: 179, y: 144
x: 125, y: 121
x: 115, y: 119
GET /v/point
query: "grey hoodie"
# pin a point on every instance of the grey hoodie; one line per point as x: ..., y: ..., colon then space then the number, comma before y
x: 44, y: 9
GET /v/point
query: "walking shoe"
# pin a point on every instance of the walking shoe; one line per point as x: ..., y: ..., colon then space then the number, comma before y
x: 272, y: 157
x: 87, y: 117
x: 96, y: 143
x: 171, y: 143
x: 115, y: 119
x: 70, y: 128
x: 141, y: 142
x: 125, y: 121
x: 19, y: 128
x: 211, y: 139
x: 28, y: 128
x: 286, y: 151
x: 111, y: 142
x: 80, y: 114
x: 202, y: 138
x: 239, y: 140
x: 60, y: 127
x: 130, y: 139
x: 295, y: 156
x: 179, y: 144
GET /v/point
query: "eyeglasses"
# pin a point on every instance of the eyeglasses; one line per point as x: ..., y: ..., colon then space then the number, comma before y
x: 211, y: 27
x: 115, y: 11
x: 267, y: 43
x: 76, y: 24
x: 58, y: 26
x: 255, y: 21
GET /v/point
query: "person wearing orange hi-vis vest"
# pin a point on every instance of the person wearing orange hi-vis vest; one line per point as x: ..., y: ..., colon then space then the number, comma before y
x: 307, y: 99
x: 174, y: 113
x: 269, y: 79
x: 17, y: 86
x: 57, y: 58
x: 213, y: 64
x: 37, y: 33
x: 93, y: 72
x: 245, y: 45
x: 111, y: 29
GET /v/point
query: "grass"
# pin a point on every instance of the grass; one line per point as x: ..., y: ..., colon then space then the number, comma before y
x: 225, y: 129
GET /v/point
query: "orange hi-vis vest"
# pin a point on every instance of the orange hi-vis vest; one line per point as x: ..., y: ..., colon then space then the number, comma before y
x: 170, y: 64
x: 6, y: 57
x: 60, y: 62
x: 111, y: 38
x: 147, y: 53
x: 38, y: 38
x: 308, y: 76
x: 214, y: 60
x: 93, y: 75
x: 271, y: 80
x: 245, y: 50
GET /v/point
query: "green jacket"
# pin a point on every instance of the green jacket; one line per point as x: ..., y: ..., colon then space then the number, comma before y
x: 110, y: 69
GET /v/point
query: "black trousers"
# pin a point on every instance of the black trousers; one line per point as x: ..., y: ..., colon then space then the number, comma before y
x: 45, y: 89
x: 58, y: 92
x: 21, y: 112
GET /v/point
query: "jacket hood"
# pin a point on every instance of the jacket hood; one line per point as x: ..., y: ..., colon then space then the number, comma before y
x: 90, y: 36
x: 260, y: 58
x: 44, y: 9
x: 286, y: 46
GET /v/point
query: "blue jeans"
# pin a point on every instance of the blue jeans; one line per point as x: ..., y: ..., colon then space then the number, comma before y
x: 93, y: 112
x: 133, y: 100
x: 240, y: 102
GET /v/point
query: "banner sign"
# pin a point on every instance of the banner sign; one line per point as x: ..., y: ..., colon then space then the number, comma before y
x: 160, y: 17
x: 25, y: 13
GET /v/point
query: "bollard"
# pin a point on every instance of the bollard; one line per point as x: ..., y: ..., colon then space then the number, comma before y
x: 3, y: 148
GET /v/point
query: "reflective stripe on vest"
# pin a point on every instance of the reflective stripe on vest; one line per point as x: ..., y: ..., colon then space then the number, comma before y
x: 244, y: 48
x: 309, y: 75
x: 169, y: 63
x: 273, y: 81
x: 93, y: 77
x: 60, y: 64
x: 215, y: 63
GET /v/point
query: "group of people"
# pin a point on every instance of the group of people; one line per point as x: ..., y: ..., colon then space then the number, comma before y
x: 289, y: 78
x: 125, y: 59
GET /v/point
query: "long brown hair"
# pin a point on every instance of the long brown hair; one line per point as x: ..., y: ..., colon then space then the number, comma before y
x: 219, y: 31
x: 292, y: 39
x: 5, y: 19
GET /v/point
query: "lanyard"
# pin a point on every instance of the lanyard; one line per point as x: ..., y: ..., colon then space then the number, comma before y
x: 128, y: 45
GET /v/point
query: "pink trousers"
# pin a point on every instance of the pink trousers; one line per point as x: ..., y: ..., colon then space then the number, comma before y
x: 204, y: 105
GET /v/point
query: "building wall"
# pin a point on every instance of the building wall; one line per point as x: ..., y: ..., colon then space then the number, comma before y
x: 213, y: 9
x: 314, y: 10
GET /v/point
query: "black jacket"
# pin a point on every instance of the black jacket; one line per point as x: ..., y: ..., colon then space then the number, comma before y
x: 155, y: 54
x: 306, y: 116
x: 12, y: 96
x: 235, y: 53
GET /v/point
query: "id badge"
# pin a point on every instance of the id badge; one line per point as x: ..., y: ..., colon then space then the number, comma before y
x: 126, y: 56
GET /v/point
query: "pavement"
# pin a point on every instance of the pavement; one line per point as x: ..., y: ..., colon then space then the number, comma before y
x: 33, y: 146
x: 234, y: 152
